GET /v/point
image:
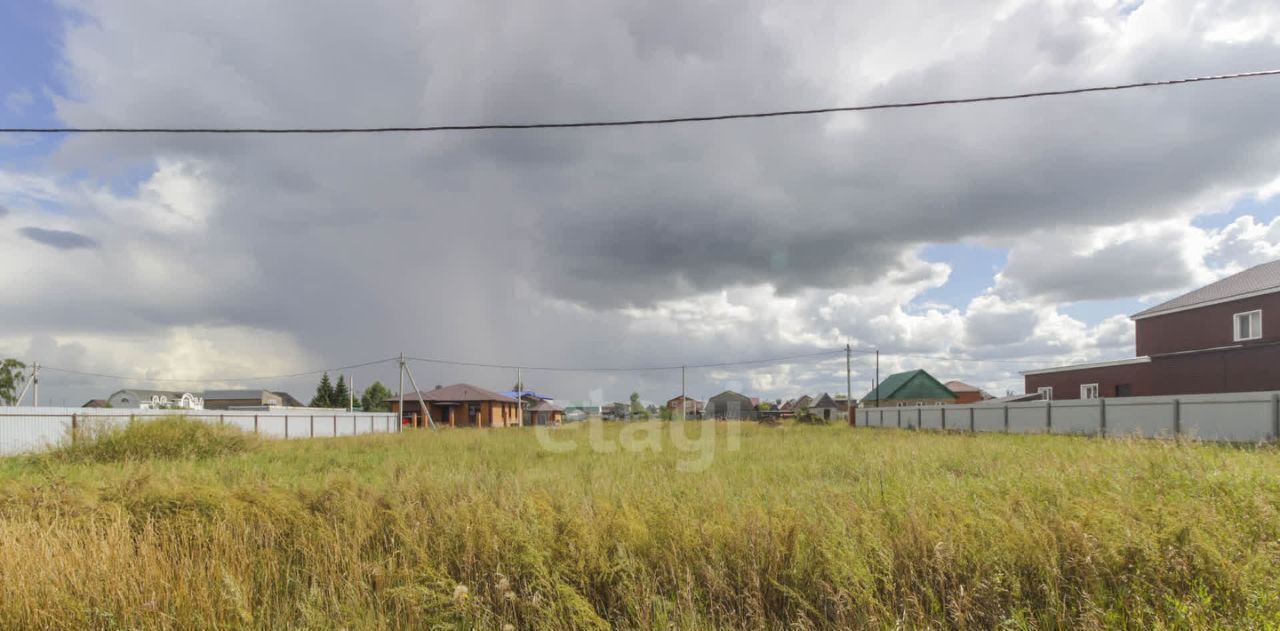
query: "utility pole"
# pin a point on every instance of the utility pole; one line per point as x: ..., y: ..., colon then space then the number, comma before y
x: 684, y: 402
x: 519, y: 397
x: 351, y: 393
x: 35, y: 393
x: 848, y: 383
x: 34, y: 378
x: 400, y: 409
x: 877, y: 377
x: 426, y: 412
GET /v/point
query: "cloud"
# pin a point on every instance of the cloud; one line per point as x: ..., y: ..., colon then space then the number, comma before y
x: 637, y: 245
x: 18, y: 100
x: 60, y: 239
x: 3, y: 211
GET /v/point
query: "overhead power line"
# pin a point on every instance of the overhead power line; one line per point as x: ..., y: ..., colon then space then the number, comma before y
x: 632, y: 122
x: 214, y: 380
x: 766, y: 360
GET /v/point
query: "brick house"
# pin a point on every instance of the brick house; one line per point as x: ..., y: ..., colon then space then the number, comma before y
x: 460, y: 405
x: 693, y: 408
x: 1223, y: 337
x: 966, y: 393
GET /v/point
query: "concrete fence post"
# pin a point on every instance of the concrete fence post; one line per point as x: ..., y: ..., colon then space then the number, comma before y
x: 221, y: 419
x: 313, y: 425
x: 944, y: 418
x: 973, y: 428
x: 286, y: 425
x: 899, y: 418
x: 1275, y: 416
x: 1177, y: 418
x: 1006, y: 418
x: 1048, y: 417
x: 75, y: 428
x: 919, y: 417
x: 255, y: 423
x: 1102, y: 417
x: 354, y: 430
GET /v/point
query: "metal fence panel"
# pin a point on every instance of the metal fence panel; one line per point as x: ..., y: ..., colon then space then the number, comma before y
x: 25, y: 429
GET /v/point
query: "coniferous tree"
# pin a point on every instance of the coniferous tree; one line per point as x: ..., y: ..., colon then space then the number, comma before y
x: 341, y: 395
x: 324, y: 394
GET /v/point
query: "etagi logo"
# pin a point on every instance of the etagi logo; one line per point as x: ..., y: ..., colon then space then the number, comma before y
x: 696, y: 441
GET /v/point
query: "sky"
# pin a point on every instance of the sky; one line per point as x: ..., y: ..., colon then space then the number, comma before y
x: 972, y: 241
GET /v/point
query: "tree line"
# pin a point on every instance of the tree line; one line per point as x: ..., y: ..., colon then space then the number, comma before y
x: 330, y: 395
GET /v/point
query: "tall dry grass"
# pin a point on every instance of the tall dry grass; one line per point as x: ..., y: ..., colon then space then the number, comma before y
x: 802, y: 527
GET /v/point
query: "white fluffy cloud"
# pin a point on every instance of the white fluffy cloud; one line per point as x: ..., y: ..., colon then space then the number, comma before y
x: 630, y: 246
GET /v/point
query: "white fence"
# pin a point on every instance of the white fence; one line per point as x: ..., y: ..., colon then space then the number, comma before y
x: 1236, y: 417
x: 25, y: 429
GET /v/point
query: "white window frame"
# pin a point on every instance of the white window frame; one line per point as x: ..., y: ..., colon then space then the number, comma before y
x: 1090, y: 391
x: 1255, y: 332
x: 1045, y: 392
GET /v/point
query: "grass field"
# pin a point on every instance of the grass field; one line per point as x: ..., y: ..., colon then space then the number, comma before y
x: 796, y: 527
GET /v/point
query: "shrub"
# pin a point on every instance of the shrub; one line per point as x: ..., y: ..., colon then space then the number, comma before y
x: 168, y: 438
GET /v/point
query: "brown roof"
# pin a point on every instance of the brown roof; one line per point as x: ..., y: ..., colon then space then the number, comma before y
x: 546, y: 406
x: 960, y: 386
x: 458, y: 392
x: 1263, y: 278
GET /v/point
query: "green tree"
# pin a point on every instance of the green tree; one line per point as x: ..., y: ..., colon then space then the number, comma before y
x: 519, y: 387
x: 375, y: 398
x: 324, y: 394
x: 341, y: 395
x: 11, y: 378
x: 637, y: 408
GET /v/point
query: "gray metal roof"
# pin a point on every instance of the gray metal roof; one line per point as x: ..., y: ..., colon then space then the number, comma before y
x: 235, y: 394
x: 1262, y: 278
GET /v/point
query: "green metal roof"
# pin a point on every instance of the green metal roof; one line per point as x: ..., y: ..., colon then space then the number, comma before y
x: 909, y: 386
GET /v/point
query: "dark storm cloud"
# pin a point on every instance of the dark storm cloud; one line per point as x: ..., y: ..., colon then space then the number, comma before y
x: 453, y: 244
x: 60, y: 239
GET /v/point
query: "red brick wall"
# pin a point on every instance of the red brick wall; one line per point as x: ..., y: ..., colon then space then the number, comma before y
x: 1066, y: 384
x: 1205, y: 327
x: 1250, y: 369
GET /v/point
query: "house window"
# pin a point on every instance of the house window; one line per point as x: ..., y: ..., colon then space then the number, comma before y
x: 1045, y: 392
x: 1248, y: 326
x: 1089, y: 391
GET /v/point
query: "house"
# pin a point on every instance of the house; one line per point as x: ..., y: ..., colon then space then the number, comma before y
x: 914, y: 387
x: 966, y: 393
x: 546, y: 413
x: 155, y: 400
x: 693, y: 408
x: 96, y: 403
x: 288, y: 401
x: 828, y: 407
x: 229, y: 399
x: 1223, y: 337
x: 529, y: 400
x: 731, y: 405
x: 459, y: 405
